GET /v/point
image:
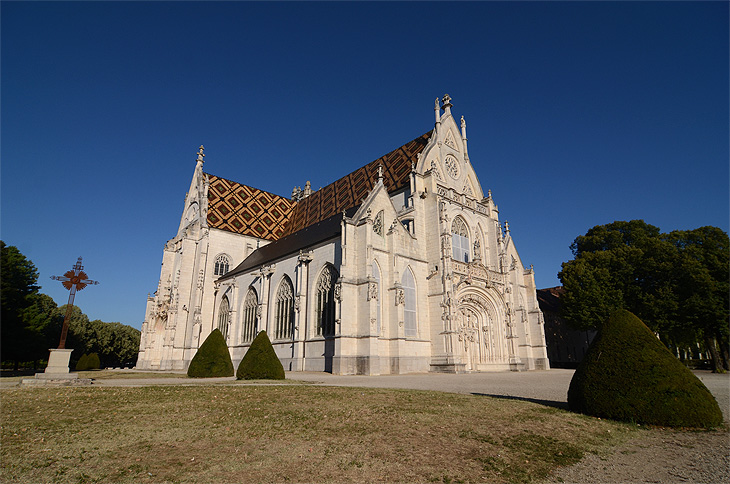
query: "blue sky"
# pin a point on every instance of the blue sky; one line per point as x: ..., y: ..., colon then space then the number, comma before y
x: 578, y: 114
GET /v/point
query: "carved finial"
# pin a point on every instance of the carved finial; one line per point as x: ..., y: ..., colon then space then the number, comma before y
x: 463, y: 123
x: 201, y: 155
x: 307, y: 189
x: 489, y: 193
x: 380, y: 172
x: 447, y: 104
x: 437, y: 111
x: 506, y: 227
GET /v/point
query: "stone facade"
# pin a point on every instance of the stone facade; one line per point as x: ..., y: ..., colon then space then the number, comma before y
x: 401, y: 266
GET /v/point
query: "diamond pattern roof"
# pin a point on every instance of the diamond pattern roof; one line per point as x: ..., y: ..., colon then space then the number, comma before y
x: 249, y: 211
x: 246, y: 210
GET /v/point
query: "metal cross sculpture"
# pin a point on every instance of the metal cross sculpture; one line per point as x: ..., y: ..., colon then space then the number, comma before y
x: 73, y: 280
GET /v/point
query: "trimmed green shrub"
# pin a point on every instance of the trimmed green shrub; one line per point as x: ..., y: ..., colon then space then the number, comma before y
x: 93, y: 362
x: 83, y: 363
x: 212, y: 358
x: 629, y: 375
x: 260, y: 361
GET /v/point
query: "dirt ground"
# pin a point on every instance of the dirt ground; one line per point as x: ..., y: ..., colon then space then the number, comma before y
x: 659, y: 456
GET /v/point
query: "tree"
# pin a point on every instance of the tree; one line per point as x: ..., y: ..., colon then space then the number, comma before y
x: 676, y: 283
x: 618, y: 265
x: 116, y: 344
x: 18, y: 278
x: 702, y: 287
x: 43, y: 326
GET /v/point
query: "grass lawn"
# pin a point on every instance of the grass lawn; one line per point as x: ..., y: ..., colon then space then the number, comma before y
x: 294, y: 433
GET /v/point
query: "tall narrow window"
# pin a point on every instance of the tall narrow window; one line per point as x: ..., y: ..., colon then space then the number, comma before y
x: 223, y: 317
x: 460, y: 240
x: 326, y: 302
x: 221, y: 265
x: 409, y: 292
x: 250, y: 316
x: 285, y: 309
x: 376, y: 276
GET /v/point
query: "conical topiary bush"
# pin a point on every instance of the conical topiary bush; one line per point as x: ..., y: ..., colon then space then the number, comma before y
x: 83, y: 363
x: 212, y: 358
x: 93, y: 362
x: 629, y: 375
x: 260, y: 361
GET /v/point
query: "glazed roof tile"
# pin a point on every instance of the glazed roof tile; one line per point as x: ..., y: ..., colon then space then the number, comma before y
x: 246, y: 210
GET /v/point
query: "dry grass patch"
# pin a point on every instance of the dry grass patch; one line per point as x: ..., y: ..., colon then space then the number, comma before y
x: 210, y: 433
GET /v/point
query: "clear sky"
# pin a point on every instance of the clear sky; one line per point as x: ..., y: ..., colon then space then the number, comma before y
x: 578, y: 114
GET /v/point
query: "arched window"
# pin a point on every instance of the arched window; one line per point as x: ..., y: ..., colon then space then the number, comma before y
x: 326, y: 301
x: 221, y: 265
x: 376, y: 276
x: 285, y: 309
x: 409, y: 295
x: 224, y: 317
x: 460, y: 240
x: 250, y: 316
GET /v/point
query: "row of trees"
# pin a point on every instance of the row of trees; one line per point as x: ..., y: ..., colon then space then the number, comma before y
x: 678, y: 283
x: 32, y: 321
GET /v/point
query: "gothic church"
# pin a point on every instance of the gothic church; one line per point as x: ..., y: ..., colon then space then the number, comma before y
x: 401, y: 266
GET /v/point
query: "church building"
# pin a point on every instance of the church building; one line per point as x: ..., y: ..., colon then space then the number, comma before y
x: 400, y: 266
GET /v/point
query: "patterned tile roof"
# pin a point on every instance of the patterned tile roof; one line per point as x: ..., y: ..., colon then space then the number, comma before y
x: 249, y: 211
x: 246, y: 210
x: 349, y: 191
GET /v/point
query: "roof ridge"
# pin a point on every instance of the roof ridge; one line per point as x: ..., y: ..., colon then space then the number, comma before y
x: 246, y: 185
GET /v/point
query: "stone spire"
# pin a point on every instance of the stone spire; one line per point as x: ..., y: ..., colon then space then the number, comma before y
x: 463, y: 136
x: 201, y: 155
x: 437, y: 110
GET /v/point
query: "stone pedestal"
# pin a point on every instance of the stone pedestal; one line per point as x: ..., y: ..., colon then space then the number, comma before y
x: 57, y: 372
x: 58, y: 365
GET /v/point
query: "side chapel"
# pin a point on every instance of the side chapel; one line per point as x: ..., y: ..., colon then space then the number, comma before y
x: 400, y: 266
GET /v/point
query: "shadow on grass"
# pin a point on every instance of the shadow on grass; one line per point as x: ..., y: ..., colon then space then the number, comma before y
x: 21, y: 372
x: 547, y: 403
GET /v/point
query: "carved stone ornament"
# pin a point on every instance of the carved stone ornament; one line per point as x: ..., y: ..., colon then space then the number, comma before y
x: 452, y: 167
x: 372, y: 290
x: 400, y: 296
x: 338, y: 291
x: 449, y: 141
x: 378, y: 223
x: 436, y: 172
x: 297, y: 304
x: 258, y: 311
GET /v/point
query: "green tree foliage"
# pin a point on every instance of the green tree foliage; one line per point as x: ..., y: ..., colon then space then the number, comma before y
x: 115, y: 344
x: 260, y: 361
x: 212, y: 358
x: 43, y: 326
x: 18, y: 278
x: 676, y: 283
x: 629, y: 375
x: 701, y: 285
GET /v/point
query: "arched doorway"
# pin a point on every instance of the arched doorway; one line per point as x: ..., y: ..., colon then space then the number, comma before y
x: 480, y: 325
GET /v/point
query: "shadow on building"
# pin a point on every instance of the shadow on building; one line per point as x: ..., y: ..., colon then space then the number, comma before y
x: 566, y: 346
